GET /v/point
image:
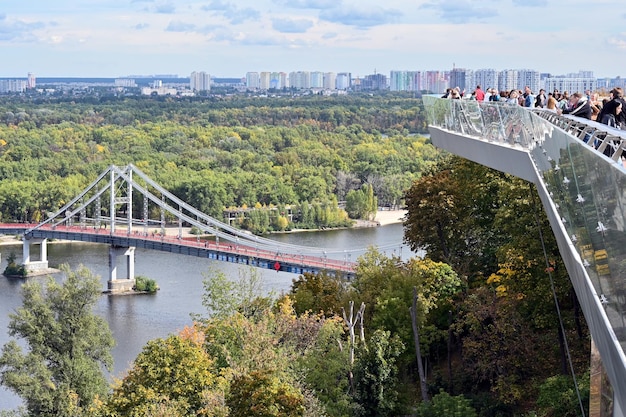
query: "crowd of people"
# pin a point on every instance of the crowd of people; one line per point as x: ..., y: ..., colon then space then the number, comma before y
x: 588, y: 105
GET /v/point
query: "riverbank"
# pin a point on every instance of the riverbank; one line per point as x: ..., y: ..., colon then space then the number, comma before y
x: 382, y: 218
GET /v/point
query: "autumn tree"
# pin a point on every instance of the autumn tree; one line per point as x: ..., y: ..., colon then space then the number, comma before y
x: 321, y: 292
x: 451, y: 213
x: 174, y: 372
x: 67, y: 345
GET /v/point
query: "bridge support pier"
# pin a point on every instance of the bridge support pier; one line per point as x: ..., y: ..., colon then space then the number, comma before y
x: 116, y: 285
x: 35, y: 266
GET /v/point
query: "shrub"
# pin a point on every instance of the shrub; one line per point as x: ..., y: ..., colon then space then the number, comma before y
x: 13, y: 269
x: 445, y: 405
x: 145, y: 284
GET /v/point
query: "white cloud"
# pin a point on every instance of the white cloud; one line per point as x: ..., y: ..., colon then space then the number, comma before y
x: 292, y: 25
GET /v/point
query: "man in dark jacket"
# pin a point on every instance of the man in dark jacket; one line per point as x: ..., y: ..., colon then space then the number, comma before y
x: 579, y: 106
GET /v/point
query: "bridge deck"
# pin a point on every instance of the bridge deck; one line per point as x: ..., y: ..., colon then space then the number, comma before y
x: 229, y: 252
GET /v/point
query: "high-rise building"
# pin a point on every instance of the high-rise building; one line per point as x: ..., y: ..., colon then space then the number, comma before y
x: 300, y: 80
x: 530, y: 78
x: 458, y: 78
x: 374, y: 82
x: 486, y: 78
x: 32, y: 81
x: 125, y: 82
x: 253, y: 80
x: 13, y: 86
x: 343, y: 81
x: 330, y: 80
x: 265, y: 79
x: 435, y: 81
x: 317, y: 79
x: 405, y: 81
x: 200, y: 81
x: 507, y: 80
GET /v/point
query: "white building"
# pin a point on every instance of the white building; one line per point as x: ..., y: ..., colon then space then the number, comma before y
x: 571, y: 85
x: 330, y: 81
x: 13, y: 86
x: 530, y: 78
x: 317, y: 79
x: 200, y: 81
x: 253, y: 80
x: 300, y: 79
x: 32, y: 81
x: 265, y: 80
x: 343, y: 81
x: 125, y: 82
x: 405, y: 81
x: 486, y: 78
x: 507, y: 80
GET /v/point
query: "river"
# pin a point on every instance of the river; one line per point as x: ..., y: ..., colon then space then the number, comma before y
x: 134, y: 320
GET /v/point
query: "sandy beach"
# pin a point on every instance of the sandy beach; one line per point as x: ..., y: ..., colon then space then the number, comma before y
x: 385, y: 217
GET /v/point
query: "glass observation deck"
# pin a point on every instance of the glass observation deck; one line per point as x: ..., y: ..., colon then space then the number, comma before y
x: 578, y: 168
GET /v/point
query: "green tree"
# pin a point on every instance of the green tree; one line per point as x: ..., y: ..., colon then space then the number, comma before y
x: 61, y: 373
x: 175, y: 371
x: 223, y: 296
x: 264, y: 394
x: 445, y: 405
x: 558, y: 396
x: 361, y: 204
x: 375, y: 376
x: 451, y: 214
x: 317, y: 293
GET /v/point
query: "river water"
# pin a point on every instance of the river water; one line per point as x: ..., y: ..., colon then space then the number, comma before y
x: 134, y: 320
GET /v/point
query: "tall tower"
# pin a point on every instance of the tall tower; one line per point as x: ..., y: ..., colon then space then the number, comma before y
x: 32, y: 81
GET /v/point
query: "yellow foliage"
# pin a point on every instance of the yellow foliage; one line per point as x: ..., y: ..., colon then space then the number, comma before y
x: 193, y: 334
x: 258, y: 205
x: 494, y: 279
x: 3, y: 142
x: 143, y: 165
x: 501, y: 290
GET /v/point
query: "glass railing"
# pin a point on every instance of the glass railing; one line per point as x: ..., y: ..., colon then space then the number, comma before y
x: 582, y: 167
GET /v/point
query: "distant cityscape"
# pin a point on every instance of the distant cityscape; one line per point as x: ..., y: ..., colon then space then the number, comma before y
x: 434, y: 81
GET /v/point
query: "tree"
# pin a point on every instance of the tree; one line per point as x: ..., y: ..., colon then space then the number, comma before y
x: 223, y: 297
x: 175, y: 372
x: 67, y: 344
x: 264, y: 394
x: 451, y: 214
x: 375, y: 376
x: 317, y: 293
x: 361, y: 204
x: 445, y: 405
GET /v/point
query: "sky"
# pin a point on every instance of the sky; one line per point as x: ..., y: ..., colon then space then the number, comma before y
x: 227, y: 38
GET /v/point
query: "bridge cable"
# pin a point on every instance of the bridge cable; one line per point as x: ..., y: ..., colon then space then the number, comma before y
x: 556, y: 301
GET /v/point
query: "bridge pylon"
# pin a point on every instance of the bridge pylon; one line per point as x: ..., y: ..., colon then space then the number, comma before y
x: 35, y: 266
x: 115, y: 284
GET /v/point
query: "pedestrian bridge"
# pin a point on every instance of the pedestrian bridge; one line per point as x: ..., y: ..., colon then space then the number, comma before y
x: 578, y: 169
x: 106, y: 212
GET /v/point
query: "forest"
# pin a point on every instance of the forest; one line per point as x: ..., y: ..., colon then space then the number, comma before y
x: 215, y: 155
x: 471, y: 329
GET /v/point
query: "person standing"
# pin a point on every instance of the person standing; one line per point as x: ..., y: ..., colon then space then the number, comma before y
x: 579, y: 106
x: 541, y: 99
x: 617, y: 95
x: 479, y: 94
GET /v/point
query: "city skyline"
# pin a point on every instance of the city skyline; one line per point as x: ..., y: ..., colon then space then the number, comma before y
x: 107, y: 38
